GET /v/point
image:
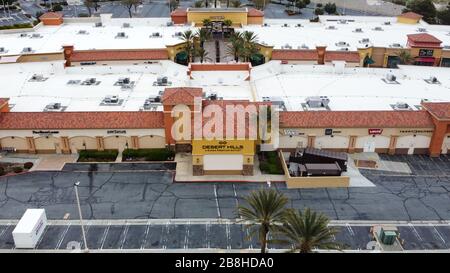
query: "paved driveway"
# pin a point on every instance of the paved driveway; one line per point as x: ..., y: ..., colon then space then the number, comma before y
x: 152, y: 194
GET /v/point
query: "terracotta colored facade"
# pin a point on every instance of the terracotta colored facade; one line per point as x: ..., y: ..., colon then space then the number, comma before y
x: 52, y: 19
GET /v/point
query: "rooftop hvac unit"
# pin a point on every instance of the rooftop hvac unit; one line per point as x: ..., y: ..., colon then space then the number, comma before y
x: 378, y: 29
x: 23, y: 35
x: 162, y: 80
x: 37, y: 77
x: 364, y: 41
x: 122, y: 81
x: 36, y: 35
x: 343, y: 49
x: 153, y: 99
x: 299, y: 25
x: 343, y: 21
x: 432, y: 80
x: 27, y: 49
x: 331, y: 27
x: 98, y: 24
x: 82, y: 32
x: 396, y: 45
x: 317, y: 101
x: 358, y: 30
x: 178, y: 34
x: 342, y: 43
x: 2, y: 50
x: 156, y: 34
x: 303, y: 46
x: 121, y: 35
x: 126, y: 25
x: 287, y: 46
x: 285, y: 25
x: 387, y: 23
x: 111, y: 99
x: 391, y: 77
x: 90, y: 81
x: 53, y: 106
x: 401, y: 106
x: 421, y: 29
x: 73, y: 82
x: 265, y: 25
x: 169, y: 24
x: 212, y: 96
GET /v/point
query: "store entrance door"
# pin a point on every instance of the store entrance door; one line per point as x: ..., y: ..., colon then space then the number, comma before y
x: 369, y: 147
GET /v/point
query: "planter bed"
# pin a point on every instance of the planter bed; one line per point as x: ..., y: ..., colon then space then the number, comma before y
x: 98, y: 156
x: 130, y: 155
x: 269, y: 163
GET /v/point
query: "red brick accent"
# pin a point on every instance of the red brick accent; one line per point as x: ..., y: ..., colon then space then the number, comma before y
x: 321, y: 54
x: 51, y: 19
x: 348, y: 56
x: 252, y: 12
x: 119, y: 55
x: 438, y: 137
x: 68, y: 51
x: 181, y: 95
x: 294, y: 55
x: 4, y: 105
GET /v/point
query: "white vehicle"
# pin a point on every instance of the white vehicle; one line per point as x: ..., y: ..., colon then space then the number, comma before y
x: 30, y: 228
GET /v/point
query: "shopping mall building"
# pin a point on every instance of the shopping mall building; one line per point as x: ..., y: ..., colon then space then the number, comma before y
x: 71, y: 85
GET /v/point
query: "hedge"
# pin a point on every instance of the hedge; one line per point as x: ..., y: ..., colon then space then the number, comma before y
x: 271, y: 163
x: 16, y: 26
x: 148, y: 154
x: 90, y: 155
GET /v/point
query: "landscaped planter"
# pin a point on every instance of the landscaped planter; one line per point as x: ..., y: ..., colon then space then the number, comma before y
x: 98, y: 156
x: 269, y: 163
x: 131, y: 155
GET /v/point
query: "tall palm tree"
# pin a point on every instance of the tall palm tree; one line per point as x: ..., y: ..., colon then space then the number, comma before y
x: 250, y: 40
x: 307, y: 230
x: 236, y: 46
x: 202, y: 54
x: 188, y: 38
x: 203, y: 35
x: 264, y: 213
x: 405, y: 57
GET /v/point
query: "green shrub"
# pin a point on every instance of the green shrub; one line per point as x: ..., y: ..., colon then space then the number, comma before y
x: 83, y: 15
x: 28, y: 165
x: 270, y: 163
x: 92, y: 155
x: 2, y: 171
x: 17, y: 169
x: 148, y: 154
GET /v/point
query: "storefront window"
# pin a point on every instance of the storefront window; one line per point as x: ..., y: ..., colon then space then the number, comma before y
x: 426, y: 52
x: 445, y: 62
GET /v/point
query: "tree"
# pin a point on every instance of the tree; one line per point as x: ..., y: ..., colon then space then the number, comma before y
x: 236, y: 3
x: 236, y: 46
x: 57, y: 7
x: 318, y: 11
x: 425, y: 8
x: 203, y: 35
x: 250, y: 40
x: 444, y: 16
x: 206, y: 22
x: 89, y: 4
x: 188, y: 39
x: 129, y: 4
x: 202, y: 54
x: 330, y: 8
x: 264, y: 214
x: 198, y: 4
x: 307, y: 230
x: 173, y: 5
x: 405, y: 57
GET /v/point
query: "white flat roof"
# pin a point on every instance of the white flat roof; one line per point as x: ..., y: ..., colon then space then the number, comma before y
x: 354, y: 89
x: 28, y: 220
x: 310, y: 34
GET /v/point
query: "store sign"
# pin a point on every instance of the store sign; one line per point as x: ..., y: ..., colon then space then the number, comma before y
x: 292, y: 132
x: 200, y: 147
x: 45, y: 133
x: 329, y: 132
x: 426, y: 52
x: 217, y: 17
x: 375, y: 131
x: 115, y: 132
x: 415, y: 131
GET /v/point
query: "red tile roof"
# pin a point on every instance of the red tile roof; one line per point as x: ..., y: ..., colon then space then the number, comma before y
x: 294, y: 54
x: 51, y: 15
x: 411, y: 15
x: 81, y: 120
x: 3, y: 101
x: 119, y: 55
x: 348, y: 56
x: 423, y: 38
x: 181, y: 95
x: 441, y: 110
x: 179, y: 12
x: 356, y: 119
x: 252, y: 12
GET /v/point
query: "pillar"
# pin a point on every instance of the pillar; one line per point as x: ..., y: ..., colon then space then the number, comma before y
x: 68, y: 50
x: 352, y: 144
x: 392, y: 145
x: 437, y: 139
x: 321, y: 54
x: 65, y: 145
x: 100, y: 143
x: 311, y: 141
x: 31, y: 145
x: 134, y: 142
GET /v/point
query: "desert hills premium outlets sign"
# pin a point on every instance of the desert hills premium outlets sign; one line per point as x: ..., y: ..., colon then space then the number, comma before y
x: 200, y: 147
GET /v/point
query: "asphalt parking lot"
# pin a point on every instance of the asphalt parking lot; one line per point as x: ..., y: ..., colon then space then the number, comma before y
x: 151, y: 194
x: 13, y: 18
x: 211, y: 236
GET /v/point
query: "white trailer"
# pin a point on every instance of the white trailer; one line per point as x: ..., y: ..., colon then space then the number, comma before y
x: 30, y: 228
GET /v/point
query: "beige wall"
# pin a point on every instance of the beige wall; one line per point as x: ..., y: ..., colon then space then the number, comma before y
x: 76, y: 143
x: 147, y: 142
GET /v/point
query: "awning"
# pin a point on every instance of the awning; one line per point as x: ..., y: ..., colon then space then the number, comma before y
x: 425, y: 60
x: 9, y: 59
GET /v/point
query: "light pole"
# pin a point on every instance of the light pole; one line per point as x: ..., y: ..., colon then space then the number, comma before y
x: 86, y: 249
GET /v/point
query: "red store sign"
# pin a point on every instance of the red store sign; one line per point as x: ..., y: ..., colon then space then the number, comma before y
x: 374, y: 131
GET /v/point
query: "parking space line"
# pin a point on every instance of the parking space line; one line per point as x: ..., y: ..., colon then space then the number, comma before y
x: 236, y: 197
x: 217, y: 201
x: 186, y: 235
x: 439, y: 234
x: 144, y: 240
x: 208, y: 230
x: 228, y: 233
x: 415, y: 232
x: 124, y: 234
x: 105, y: 233
x: 58, y: 245
x: 3, y: 231
x: 350, y: 230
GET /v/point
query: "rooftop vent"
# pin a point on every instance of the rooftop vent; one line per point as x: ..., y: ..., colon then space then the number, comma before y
x: 395, y: 45
x: 343, y: 49
x: 401, y: 106
x: 303, y: 46
x: 342, y: 21
x: 27, y: 50
x: 317, y: 101
x: 73, y: 82
x: 2, y: 50
x: 162, y: 81
x: 387, y: 23
x: 169, y: 24
x: 364, y: 41
x: 446, y: 46
x: 82, y: 32
x: 421, y: 29
x: 111, y: 99
x: 156, y: 35
x: 122, y: 81
x: 432, y: 80
x: 358, y: 30
x: 56, y: 106
x: 390, y: 79
x: 378, y: 29
x: 178, y: 34
x: 98, y: 24
x: 121, y: 35
x: 286, y: 46
x: 331, y: 27
x: 276, y: 101
x: 37, y: 78
x: 285, y: 25
x: 90, y: 81
x: 153, y: 99
x: 126, y: 25
x: 265, y: 25
x: 36, y: 36
x: 23, y: 35
x: 212, y: 96
x: 298, y: 25
x: 342, y: 43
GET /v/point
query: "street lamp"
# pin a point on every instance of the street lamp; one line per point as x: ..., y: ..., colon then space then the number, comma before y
x: 81, y: 217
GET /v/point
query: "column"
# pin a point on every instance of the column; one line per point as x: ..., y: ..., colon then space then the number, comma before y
x: 311, y: 141
x: 31, y: 145
x: 134, y: 142
x: 352, y: 144
x: 65, y: 145
x: 100, y: 143
x: 392, y: 145
x: 437, y: 139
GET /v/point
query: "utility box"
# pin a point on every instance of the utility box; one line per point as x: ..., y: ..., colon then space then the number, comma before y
x: 30, y: 228
x: 388, y: 235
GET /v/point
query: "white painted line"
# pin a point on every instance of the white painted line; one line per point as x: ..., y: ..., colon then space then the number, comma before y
x: 236, y: 197
x: 124, y: 234
x: 350, y: 230
x: 145, y: 236
x: 415, y: 232
x: 208, y: 226
x: 217, y: 201
x: 58, y: 245
x: 228, y: 233
x: 105, y: 233
x: 186, y: 236
x: 1, y: 234
x: 439, y: 234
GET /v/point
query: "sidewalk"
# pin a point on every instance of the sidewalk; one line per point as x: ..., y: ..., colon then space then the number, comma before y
x: 53, y: 162
x: 184, y: 173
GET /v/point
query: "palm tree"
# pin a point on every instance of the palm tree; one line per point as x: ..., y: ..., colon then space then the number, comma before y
x: 202, y: 54
x: 308, y: 230
x: 265, y: 212
x: 188, y: 38
x: 236, y: 46
x: 203, y: 35
x: 206, y: 22
x: 405, y: 57
x: 250, y: 40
